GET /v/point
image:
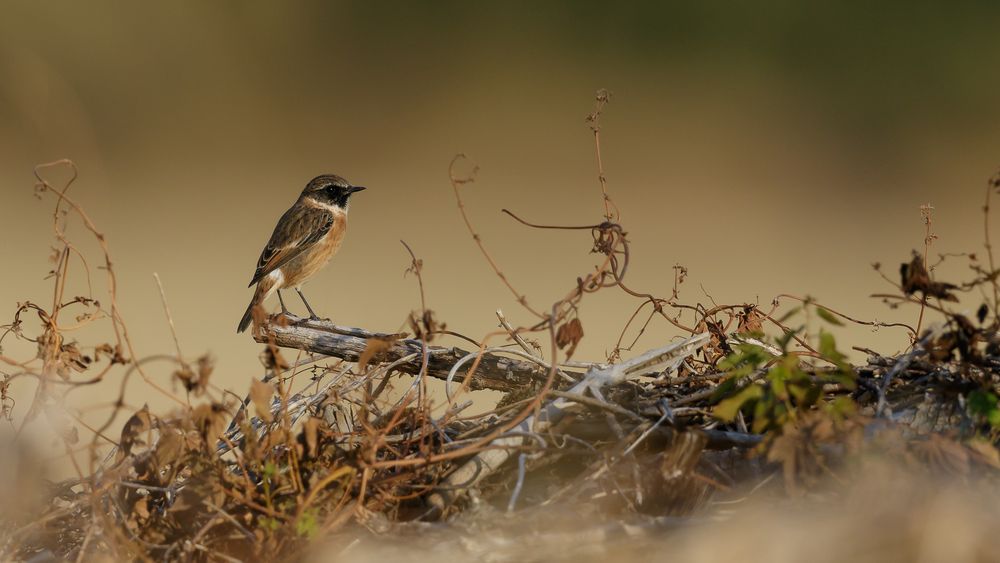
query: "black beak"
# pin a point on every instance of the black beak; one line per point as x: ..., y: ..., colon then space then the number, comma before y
x: 353, y: 189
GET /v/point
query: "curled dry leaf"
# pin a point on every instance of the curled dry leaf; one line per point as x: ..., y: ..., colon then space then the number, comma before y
x: 750, y: 320
x: 169, y: 447
x: 104, y: 349
x: 260, y: 395
x: 195, y: 378
x: 569, y: 334
x: 374, y: 348
x: 210, y: 420
x: 311, y: 431
x: 141, y: 509
x: 963, y: 339
x: 186, y: 376
x: 132, y: 433
x: 914, y: 278
x: 273, y: 360
x: 718, y: 347
x: 70, y: 358
x: 425, y: 326
x: 67, y: 359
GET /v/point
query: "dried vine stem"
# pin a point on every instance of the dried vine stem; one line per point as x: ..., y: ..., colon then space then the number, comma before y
x: 926, y: 215
x: 53, y: 331
x: 456, y: 183
x: 594, y: 119
x: 992, y: 184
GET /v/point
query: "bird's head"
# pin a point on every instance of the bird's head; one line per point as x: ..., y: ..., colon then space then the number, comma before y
x: 330, y: 189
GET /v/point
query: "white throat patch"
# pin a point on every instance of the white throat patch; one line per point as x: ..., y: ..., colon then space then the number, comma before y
x: 335, y: 209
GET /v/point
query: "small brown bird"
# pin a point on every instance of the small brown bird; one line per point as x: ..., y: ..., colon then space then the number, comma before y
x: 303, y: 241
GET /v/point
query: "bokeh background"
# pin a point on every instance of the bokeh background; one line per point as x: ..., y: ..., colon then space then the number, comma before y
x: 768, y: 148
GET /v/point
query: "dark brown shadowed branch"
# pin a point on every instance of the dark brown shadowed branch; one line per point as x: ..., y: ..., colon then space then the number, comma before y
x: 323, y: 337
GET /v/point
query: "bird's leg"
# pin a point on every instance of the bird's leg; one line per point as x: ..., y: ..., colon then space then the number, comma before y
x: 312, y: 314
x: 284, y: 310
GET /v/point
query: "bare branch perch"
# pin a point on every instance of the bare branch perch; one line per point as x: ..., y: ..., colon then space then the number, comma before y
x: 323, y: 337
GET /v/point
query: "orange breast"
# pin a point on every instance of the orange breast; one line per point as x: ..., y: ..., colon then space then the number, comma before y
x: 312, y: 260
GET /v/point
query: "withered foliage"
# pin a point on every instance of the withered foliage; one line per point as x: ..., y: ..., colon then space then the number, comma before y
x: 324, y: 447
x: 915, y: 278
x: 569, y: 335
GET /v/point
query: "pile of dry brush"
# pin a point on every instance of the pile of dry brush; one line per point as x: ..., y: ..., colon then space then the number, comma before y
x: 354, y: 432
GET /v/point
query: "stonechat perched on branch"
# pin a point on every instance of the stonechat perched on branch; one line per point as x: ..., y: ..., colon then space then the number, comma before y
x: 303, y: 241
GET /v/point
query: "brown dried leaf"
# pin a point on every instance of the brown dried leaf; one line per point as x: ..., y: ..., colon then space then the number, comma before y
x: 195, y: 379
x: 425, y: 326
x: 119, y: 357
x: 569, y: 334
x: 206, y: 365
x: 914, y: 278
x: 169, y: 447
x: 750, y: 320
x: 135, y: 426
x: 104, y: 350
x: 260, y: 394
x: 273, y: 360
x: 186, y: 376
x: 70, y: 357
x: 311, y: 430
x: 141, y: 508
x: 374, y: 347
x: 210, y: 421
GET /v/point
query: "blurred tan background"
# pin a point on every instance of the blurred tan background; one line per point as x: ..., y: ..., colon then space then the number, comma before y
x: 768, y: 150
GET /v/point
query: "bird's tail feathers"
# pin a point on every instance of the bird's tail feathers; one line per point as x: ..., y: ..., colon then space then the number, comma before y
x: 247, y: 317
x: 259, y: 295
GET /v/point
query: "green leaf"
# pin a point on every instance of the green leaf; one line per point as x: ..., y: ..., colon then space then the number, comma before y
x: 724, y: 389
x: 843, y: 406
x: 828, y: 316
x: 270, y: 470
x: 785, y: 338
x: 778, y: 376
x: 268, y: 523
x: 994, y: 418
x: 762, y: 415
x: 306, y: 526
x: 828, y: 345
x: 799, y: 392
x: 745, y: 357
x: 789, y: 314
x: 727, y: 408
x: 847, y: 381
x: 982, y: 403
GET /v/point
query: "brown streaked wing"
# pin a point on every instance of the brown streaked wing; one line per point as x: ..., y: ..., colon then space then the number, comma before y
x: 299, y: 228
